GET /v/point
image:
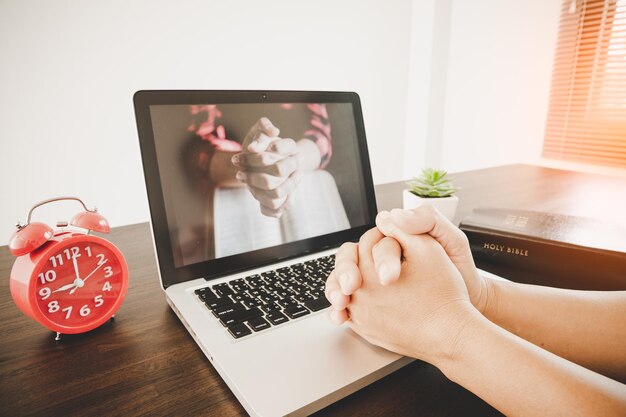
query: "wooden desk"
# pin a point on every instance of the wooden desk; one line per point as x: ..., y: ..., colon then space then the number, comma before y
x: 145, y: 362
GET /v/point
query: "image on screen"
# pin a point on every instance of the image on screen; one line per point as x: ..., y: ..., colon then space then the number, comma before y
x: 242, y: 177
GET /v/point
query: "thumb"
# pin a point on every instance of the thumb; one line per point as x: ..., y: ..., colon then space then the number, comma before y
x: 388, y: 227
x: 263, y: 127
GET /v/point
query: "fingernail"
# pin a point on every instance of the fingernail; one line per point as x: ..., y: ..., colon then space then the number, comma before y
x: 344, y: 278
x: 240, y: 176
x: 408, y: 213
x: 334, y: 297
x: 235, y: 159
x: 332, y: 316
x: 384, y: 214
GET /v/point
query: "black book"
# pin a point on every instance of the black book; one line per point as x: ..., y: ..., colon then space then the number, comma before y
x: 548, y: 249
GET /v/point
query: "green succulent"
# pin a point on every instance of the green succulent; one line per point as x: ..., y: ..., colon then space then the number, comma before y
x: 433, y: 183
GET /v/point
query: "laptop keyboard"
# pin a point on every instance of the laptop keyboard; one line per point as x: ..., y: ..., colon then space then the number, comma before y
x: 258, y: 302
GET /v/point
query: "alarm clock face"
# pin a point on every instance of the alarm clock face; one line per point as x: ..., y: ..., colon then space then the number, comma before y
x: 79, y: 284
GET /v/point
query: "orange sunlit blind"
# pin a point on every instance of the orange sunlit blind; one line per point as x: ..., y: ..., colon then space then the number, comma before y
x: 587, y: 112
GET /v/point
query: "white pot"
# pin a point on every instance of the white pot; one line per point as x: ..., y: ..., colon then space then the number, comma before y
x: 446, y: 205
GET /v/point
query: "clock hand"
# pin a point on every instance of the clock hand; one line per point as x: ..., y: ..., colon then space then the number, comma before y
x: 87, y: 277
x: 75, y: 267
x: 94, y: 271
x: 65, y: 287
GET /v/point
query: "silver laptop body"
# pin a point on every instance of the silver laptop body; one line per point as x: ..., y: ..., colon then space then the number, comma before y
x: 207, y: 234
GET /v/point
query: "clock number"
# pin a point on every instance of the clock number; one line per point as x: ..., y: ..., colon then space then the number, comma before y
x: 53, y: 306
x: 45, y: 293
x: 72, y: 252
x: 106, y: 286
x: 108, y: 271
x: 101, y: 259
x: 88, y: 250
x: 84, y: 311
x: 47, y: 276
x: 57, y: 260
x: 98, y: 300
x: 69, y: 311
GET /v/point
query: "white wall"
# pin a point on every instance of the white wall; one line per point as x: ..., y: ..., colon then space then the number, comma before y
x: 498, y: 84
x: 484, y: 81
x: 69, y: 69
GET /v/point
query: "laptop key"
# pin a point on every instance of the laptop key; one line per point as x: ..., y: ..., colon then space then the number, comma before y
x: 258, y: 323
x: 227, y: 308
x: 239, y: 330
x: 270, y: 307
x: 296, y: 311
x: 223, y: 291
x: 287, y: 302
x: 205, y: 293
x: 215, y: 302
x: 251, y: 302
x: 276, y: 317
x: 239, y: 316
x: 317, y: 304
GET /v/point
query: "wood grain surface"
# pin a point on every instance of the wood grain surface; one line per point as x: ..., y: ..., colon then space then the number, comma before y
x: 145, y: 363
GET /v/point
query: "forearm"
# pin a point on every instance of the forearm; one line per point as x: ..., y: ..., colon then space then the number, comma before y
x: 519, y: 378
x: 585, y: 327
x: 222, y: 170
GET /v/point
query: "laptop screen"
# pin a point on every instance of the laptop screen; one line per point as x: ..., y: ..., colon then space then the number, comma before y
x: 241, y: 178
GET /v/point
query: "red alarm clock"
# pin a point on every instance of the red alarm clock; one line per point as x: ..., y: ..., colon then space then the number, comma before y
x: 69, y: 281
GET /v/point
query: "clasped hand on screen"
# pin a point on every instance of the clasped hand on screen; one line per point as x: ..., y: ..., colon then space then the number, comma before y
x: 272, y: 166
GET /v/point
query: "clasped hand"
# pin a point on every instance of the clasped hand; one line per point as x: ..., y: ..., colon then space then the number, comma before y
x: 409, y: 285
x: 269, y: 166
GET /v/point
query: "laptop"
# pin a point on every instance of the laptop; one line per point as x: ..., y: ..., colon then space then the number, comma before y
x: 245, y: 236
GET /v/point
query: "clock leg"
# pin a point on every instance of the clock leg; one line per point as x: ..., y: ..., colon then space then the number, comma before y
x: 58, y: 337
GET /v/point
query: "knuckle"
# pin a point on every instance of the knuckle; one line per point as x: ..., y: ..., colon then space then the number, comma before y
x: 428, y: 210
x: 461, y: 237
x: 348, y: 246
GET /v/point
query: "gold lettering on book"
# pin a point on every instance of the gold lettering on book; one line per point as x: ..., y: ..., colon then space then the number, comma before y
x: 505, y: 249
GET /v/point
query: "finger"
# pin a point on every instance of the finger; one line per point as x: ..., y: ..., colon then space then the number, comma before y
x: 387, y: 226
x: 260, y: 180
x: 267, y: 127
x: 263, y: 125
x: 265, y: 200
x: 366, y: 244
x: 260, y: 143
x: 419, y: 220
x: 337, y: 317
x: 333, y: 294
x: 253, y: 160
x: 284, y: 167
x: 270, y: 212
x: 283, y: 190
x: 269, y: 163
x: 347, y: 268
x: 284, y: 146
x: 427, y: 219
x: 387, y: 255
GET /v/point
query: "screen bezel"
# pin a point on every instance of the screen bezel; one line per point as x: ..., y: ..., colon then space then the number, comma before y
x: 215, y: 268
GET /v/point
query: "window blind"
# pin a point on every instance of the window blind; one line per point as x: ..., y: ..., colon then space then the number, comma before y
x: 587, y: 111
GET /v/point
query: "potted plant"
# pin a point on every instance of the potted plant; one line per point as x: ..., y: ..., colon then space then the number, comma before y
x: 433, y: 187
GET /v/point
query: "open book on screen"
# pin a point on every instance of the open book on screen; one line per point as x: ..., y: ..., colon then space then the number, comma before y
x: 240, y: 226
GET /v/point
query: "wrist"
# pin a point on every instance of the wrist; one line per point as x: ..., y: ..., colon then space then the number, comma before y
x: 463, y: 333
x: 451, y: 335
x: 493, y: 290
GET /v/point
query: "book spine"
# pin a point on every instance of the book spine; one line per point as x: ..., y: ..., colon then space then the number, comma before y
x: 546, y: 262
